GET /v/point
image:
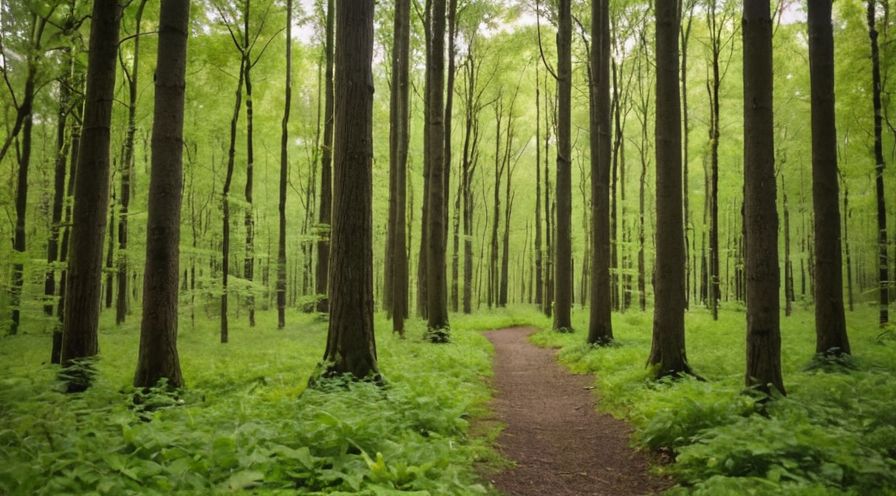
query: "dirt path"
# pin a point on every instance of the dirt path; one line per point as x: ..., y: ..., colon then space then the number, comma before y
x: 560, y: 444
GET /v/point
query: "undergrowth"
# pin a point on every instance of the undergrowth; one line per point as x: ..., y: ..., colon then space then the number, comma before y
x: 245, y: 422
x: 835, y: 432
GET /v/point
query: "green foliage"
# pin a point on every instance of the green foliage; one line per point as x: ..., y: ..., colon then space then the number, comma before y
x: 246, y: 421
x: 835, y: 433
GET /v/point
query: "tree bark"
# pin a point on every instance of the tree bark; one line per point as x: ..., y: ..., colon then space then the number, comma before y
x: 284, y: 175
x: 326, y: 181
x: 760, y: 214
x: 225, y: 195
x: 249, y: 217
x: 668, y: 355
x: 600, y: 329
x: 830, y: 318
x: 883, y: 280
x: 351, y: 346
x: 79, y: 340
x: 563, y: 248
x: 158, y: 358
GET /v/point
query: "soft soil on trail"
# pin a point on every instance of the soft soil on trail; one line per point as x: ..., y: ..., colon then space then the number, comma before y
x: 560, y: 444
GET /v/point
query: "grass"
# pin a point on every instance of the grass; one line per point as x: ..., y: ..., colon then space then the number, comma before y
x: 245, y: 422
x: 835, y: 432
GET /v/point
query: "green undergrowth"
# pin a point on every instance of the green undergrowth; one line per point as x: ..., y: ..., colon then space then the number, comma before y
x: 834, y: 433
x: 245, y: 422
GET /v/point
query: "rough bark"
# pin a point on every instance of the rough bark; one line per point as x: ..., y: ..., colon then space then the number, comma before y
x: 79, y: 340
x: 883, y: 270
x: 668, y: 355
x: 600, y: 329
x: 830, y: 318
x: 760, y: 214
x: 326, y: 181
x: 351, y: 346
x: 563, y: 242
x: 158, y: 359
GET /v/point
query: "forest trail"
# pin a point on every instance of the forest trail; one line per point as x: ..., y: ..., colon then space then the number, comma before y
x: 561, y: 445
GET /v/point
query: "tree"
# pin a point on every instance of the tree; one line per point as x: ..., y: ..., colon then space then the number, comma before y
x: 127, y: 170
x: 436, y: 287
x: 324, y: 217
x: 158, y: 358
x: 667, y: 354
x: 563, y: 241
x: 82, y: 308
x: 830, y: 319
x: 760, y: 214
x: 396, y: 280
x: 351, y: 347
x: 876, y: 89
x: 284, y: 176
x: 600, y: 329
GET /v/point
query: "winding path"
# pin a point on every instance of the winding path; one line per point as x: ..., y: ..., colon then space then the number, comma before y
x: 561, y: 445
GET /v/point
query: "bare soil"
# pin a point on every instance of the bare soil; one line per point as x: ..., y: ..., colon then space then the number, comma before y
x: 560, y: 444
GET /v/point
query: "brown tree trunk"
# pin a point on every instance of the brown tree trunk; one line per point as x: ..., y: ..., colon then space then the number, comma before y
x: 249, y: 217
x: 61, y: 162
x: 127, y: 168
x: 760, y: 214
x: 600, y: 329
x: 668, y: 355
x: 225, y: 195
x: 158, y: 357
x: 436, y: 289
x: 830, y: 318
x: 351, y: 346
x: 326, y: 182
x: 539, y: 266
x: 563, y: 248
x: 79, y: 340
x: 284, y: 176
x: 396, y: 281
x: 883, y: 280
x: 468, y: 167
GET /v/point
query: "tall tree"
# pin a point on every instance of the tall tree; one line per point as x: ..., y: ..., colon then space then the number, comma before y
x: 539, y: 263
x: 667, y: 354
x: 158, y: 358
x: 883, y: 280
x: 396, y: 280
x: 563, y: 241
x: 284, y: 175
x: 351, y: 347
x: 322, y: 268
x: 830, y: 318
x: 760, y: 214
x: 600, y: 329
x: 82, y: 308
x: 436, y: 287
x: 127, y: 169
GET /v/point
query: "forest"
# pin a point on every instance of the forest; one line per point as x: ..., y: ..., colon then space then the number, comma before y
x: 448, y: 247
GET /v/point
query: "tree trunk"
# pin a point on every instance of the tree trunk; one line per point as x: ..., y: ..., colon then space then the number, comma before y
x: 249, y: 217
x: 79, y: 340
x: 539, y: 281
x: 228, y: 181
x: 351, y: 346
x: 600, y: 329
x: 158, y: 357
x: 760, y: 214
x: 883, y: 280
x: 61, y: 162
x: 396, y: 281
x: 830, y: 318
x: 284, y: 176
x: 436, y: 289
x: 563, y: 248
x: 668, y: 355
x: 326, y: 181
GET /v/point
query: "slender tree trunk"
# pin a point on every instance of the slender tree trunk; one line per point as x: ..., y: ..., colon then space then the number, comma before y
x: 830, y: 318
x: 249, y: 217
x: 685, y: 35
x: 876, y: 89
x: 127, y: 169
x: 847, y: 215
x: 788, y: 264
x: 761, y: 218
x: 351, y: 346
x: 61, y: 162
x: 563, y: 249
x: 326, y: 182
x: 284, y: 176
x: 79, y: 340
x: 110, y: 255
x: 225, y: 195
x: 158, y: 358
x: 396, y: 280
x: 539, y: 265
x: 668, y: 355
x: 600, y: 329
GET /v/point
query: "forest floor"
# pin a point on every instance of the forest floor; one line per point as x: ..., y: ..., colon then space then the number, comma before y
x: 560, y: 444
